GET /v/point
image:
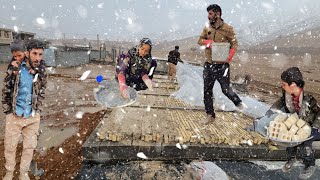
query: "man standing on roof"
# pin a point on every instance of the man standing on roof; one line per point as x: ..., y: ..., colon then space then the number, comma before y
x: 217, y: 31
x: 22, y: 101
x: 173, y: 58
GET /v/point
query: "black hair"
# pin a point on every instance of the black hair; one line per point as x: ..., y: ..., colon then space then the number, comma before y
x: 35, y: 44
x: 291, y: 75
x: 17, y: 45
x: 146, y: 41
x: 176, y: 47
x: 215, y: 8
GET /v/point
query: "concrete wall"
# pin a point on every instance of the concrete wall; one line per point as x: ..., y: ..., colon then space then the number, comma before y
x: 71, y: 58
x: 162, y: 66
x: 56, y: 57
x: 94, y: 54
x: 49, y: 57
x: 5, y: 54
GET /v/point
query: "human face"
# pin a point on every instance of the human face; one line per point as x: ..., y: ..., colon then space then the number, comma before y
x: 288, y: 88
x: 18, y: 55
x: 35, y: 55
x: 144, y: 50
x: 210, y: 15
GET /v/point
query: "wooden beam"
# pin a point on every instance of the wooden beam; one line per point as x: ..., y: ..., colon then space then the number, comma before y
x: 155, y: 94
x: 168, y: 107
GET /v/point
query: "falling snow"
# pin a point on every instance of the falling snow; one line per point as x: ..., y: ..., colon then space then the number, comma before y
x: 85, y: 75
x: 267, y: 26
x: 40, y: 21
x: 79, y: 115
x: 142, y: 155
x: 61, y: 150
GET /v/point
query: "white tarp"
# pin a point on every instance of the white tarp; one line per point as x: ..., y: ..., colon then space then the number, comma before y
x: 190, y: 80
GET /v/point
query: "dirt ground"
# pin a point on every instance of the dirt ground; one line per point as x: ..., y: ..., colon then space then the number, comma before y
x: 71, y: 114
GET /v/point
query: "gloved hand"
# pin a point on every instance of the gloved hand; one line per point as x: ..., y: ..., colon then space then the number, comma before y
x: 231, y: 54
x: 123, y: 86
x: 123, y: 90
x: 148, y: 82
x: 207, y: 43
x: 315, y: 131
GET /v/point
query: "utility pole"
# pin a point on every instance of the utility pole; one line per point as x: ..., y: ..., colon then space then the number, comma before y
x: 98, y: 42
x: 90, y: 47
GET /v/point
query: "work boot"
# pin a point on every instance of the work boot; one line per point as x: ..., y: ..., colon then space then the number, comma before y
x: 24, y: 175
x: 287, y: 167
x: 307, y: 172
x: 8, y: 176
x: 209, y: 119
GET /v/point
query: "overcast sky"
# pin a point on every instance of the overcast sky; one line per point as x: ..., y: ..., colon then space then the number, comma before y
x: 133, y: 19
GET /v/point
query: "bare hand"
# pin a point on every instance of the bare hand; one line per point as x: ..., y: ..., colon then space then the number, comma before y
x: 31, y: 71
x: 149, y: 84
x: 15, y: 63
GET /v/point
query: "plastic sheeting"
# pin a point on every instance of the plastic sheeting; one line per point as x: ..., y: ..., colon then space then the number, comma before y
x: 190, y: 81
x: 205, y: 170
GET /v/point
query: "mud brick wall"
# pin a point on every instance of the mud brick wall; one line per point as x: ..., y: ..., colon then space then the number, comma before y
x: 5, y: 53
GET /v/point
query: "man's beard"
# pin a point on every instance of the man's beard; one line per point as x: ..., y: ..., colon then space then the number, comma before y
x: 35, y: 64
x: 213, y: 20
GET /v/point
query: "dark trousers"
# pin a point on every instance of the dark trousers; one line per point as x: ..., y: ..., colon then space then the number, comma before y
x: 306, y: 150
x: 136, y: 83
x: 211, y: 73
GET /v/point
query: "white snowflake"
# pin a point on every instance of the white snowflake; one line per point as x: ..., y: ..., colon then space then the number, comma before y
x: 142, y: 155
x: 85, y: 75
x: 79, y: 115
x: 61, y: 150
x: 40, y: 21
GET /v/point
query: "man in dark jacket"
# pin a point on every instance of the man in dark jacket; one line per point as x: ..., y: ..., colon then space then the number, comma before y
x: 136, y: 69
x: 173, y: 58
x: 294, y: 100
x: 219, y: 32
x: 22, y: 97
